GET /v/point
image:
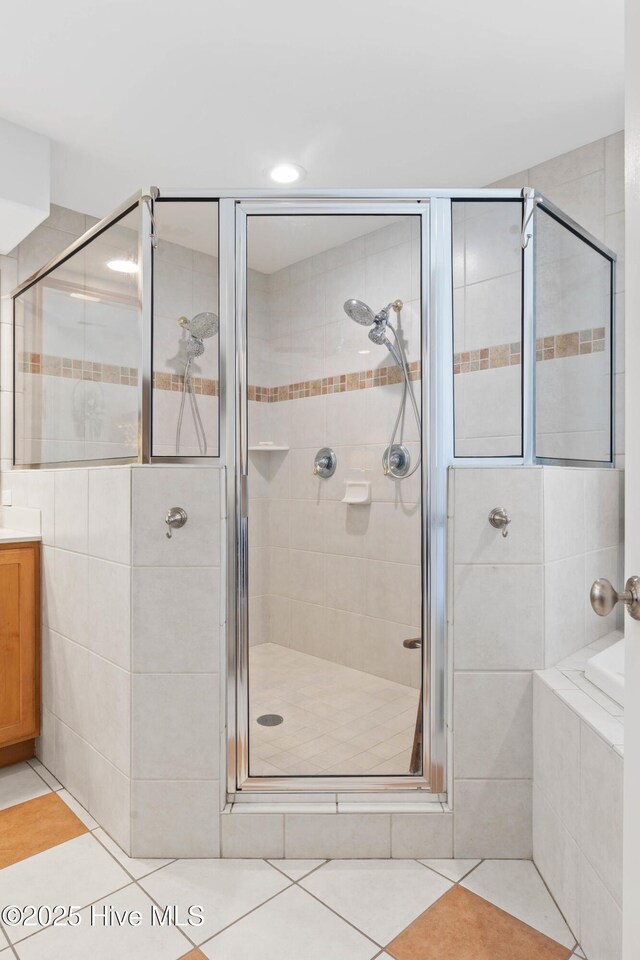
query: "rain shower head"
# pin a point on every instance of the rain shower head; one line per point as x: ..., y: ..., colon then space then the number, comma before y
x: 359, y: 311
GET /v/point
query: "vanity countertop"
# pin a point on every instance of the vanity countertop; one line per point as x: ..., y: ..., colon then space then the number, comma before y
x: 17, y: 536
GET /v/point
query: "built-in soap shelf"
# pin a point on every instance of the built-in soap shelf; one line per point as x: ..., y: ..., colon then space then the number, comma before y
x: 266, y: 446
x: 357, y: 492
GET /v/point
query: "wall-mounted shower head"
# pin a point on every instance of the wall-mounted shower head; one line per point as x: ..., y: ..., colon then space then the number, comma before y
x: 359, y: 311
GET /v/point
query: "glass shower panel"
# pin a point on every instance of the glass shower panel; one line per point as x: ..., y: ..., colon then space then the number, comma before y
x: 185, y: 417
x: 487, y: 311
x: 573, y: 344
x: 335, y: 577
x: 77, y: 353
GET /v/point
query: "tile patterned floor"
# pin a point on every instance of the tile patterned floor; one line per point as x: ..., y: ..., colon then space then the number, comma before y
x: 336, y: 720
x: 275, y: 910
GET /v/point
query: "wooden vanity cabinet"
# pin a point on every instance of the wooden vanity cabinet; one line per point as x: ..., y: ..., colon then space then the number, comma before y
x: 19, y: 650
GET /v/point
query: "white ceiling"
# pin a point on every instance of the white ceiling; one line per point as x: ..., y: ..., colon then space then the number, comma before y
x: 362, y: 93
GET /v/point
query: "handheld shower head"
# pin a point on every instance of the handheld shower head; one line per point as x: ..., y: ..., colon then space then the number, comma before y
x: 359, y: 311
x: 379, y: 336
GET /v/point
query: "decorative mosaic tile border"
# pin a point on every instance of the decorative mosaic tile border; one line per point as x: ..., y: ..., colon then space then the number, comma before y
x: 487, y: 358
x: 547, y: 348
x: 68, y: 368
x: 563, y: 345
x: 343, y: 383
x: 571, y: 344
x: 175, y: 383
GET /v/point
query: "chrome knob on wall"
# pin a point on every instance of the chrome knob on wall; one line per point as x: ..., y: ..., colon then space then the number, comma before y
x: 500, y: 519
x: 325, y: 462
x: 176, y: 517
x: 604, y: 597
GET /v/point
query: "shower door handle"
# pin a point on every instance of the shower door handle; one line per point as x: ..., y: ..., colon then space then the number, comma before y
x: 604, y: 597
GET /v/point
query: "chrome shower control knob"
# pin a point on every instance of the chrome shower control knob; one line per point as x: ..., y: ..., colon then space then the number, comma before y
x: 604, y: 597
x: 324, y: 463
x: 396, y: 461
x: 176, y: 517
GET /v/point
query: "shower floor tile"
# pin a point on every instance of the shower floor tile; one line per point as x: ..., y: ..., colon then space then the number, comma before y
x: 336, y: 720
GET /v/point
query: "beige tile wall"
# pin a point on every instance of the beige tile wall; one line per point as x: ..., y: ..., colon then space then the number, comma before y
x: 86, y: 633
x: 519, y: 604
x: 588, y: 185
x: 577, y: 819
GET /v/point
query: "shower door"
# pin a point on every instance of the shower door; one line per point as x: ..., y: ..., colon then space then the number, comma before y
x: 332, y: 648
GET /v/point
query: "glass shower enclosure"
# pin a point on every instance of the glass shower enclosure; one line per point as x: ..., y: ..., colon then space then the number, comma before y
x: 333, y: 354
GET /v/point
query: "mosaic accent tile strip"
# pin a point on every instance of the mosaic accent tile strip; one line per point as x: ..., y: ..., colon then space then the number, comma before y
x: 547, y: 348
x: 571, y: 344
x: 174, y: 382
x: 343, y: 383
x: 68, y: 368
x: 577, y: 343
x: 487, y: 358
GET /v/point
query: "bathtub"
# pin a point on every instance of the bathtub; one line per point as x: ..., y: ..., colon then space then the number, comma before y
x: 606, y: 671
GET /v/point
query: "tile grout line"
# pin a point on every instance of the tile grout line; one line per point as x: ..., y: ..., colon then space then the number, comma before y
x: 569, y: 927
x: 35, y: 770
x: 122, y: 867
x: 9, y: 944
x: 249, y: 912
x: 335, y: 912
x: 84, y: 907
x: 153, y: 900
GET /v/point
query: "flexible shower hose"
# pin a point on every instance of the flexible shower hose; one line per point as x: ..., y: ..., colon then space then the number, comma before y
x: 187, y: 387
x: 388, y: 468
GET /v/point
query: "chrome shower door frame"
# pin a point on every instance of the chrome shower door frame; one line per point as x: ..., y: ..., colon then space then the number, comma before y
x: 437, y: 374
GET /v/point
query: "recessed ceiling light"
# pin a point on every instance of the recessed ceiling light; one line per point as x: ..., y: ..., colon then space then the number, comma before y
x: 85, y: 296
x: 287, y: 173
x: 123, y: 266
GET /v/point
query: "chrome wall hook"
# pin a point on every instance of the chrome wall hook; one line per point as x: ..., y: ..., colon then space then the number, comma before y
x: 500, y: 519
x: 176, y: 517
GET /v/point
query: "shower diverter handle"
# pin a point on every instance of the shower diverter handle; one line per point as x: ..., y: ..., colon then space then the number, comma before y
x: 324, y: 463
x: 176, y: 517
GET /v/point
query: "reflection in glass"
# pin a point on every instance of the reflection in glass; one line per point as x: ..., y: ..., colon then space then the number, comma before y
x: 573, y: 349
x: 487, y: 316
x: 77, y: 336
x: 185, y: 329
